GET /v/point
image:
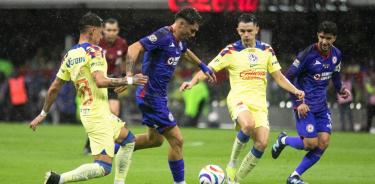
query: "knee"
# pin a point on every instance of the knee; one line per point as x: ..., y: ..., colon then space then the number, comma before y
x: 177, y: 142
x: 311, y: 144
x: 158, y: 141
x: 323, y: 144
x: 248, y: 126
x: 261, y: 145
x: 107, y: 167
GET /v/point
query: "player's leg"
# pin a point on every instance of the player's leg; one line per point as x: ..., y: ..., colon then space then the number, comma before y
x: 150, y: 139
x: 114, y: 106
x: 260, y: 136
x: 246, y: 123
x: 124, y: 155
x: 175, y: 156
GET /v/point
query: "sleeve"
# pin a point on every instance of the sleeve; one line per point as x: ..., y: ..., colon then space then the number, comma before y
x: 222, y: 60
x: 272, y: 63
x: 63, y: 72
x: 153, y: 41
x: 336, y: 77
x: 125, y: 47
x: 96, y: 60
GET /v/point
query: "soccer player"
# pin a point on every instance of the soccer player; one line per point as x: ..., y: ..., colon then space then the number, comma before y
x: 115, y: 49
x: 86, y: 67
x: 162, y: 51
x: 311, y: 71
x: 248, y: 62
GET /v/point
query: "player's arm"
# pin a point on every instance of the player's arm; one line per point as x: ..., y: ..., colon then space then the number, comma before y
x: 132, y: 55
x: 196, y: 79
x: 52, y: 93
x: 283, y: 82
x: 102, y: 81
x: 190, y: 56
x: 336, y: 79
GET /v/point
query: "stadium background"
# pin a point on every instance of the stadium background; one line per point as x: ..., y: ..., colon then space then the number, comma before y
x: 35, y: 34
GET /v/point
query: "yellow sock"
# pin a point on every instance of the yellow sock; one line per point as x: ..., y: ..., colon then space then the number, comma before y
x: 122, y: 162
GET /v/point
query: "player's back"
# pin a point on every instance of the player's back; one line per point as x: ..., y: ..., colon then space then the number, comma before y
x: 77, y: 66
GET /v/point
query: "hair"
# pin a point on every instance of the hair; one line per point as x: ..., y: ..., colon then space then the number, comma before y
x: 111, y: 21
x: 328, y: 27
x: 89, y: 20
x: 247, y: 18
x: 191, y: 15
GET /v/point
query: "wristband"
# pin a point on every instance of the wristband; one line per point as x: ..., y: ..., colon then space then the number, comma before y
x: 204, y: 68
x: 43, y: 113
x: 129, y: 80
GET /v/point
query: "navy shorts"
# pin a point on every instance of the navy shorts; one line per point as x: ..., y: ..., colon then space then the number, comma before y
x: 155, y: 113
x: 313, y: 123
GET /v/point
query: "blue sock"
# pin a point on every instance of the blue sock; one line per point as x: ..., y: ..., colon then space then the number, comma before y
x: 295, y: 142
x: 256, y: 153
x: 309, y: 160
x: 117, y: 147
x: 178, y: 170
x: 243, y: 137
x: 128, y: 139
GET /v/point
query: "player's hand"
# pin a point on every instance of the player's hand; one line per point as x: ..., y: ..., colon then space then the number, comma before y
x: 140, y: 79
x: 185, y: 86
x: 302, y: 110
x: 344, y: 93
x: 120, y: 89
x: 208, y: 72
x: 36, y: 121
x: 299, y: 94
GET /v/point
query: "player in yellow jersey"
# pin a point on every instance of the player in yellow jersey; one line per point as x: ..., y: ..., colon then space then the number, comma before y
x: 248, y: 61
x: 86, y: 67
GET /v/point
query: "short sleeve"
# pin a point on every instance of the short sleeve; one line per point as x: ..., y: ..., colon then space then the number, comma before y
x: 96, y: 60
x: 222, y: 60
x: 273, y: 64
x: 154, y: 41
x: 63, y: 72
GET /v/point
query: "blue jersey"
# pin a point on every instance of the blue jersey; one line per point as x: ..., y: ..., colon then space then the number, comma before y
x: 162, y: 53
x: 311, y: 73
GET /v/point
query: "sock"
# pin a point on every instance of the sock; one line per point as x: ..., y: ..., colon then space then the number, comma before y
x: 178, y: 170
x: 294, y: 142
x: 295, y: 173
x: 117, y: 147
x: 238, y: 145
x: 248, y: 163
x: 86, y: 172
x: 182, y: 182
x: 123, y: 158
x: 309, y: 160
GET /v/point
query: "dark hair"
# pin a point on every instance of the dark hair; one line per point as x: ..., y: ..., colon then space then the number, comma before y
x: 191, y: 15
x: 247, y: 18
x: 111, y: 21
x: 89, y: 20
x: 328, y: 27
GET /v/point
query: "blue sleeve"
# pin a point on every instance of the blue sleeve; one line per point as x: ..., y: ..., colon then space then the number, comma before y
x: 154, y: 41
x: 336, y: 77
x: 295, y: 71
x: 184, y: 47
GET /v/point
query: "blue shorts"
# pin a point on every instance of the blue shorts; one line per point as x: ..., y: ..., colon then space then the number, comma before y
x: 155, y: 113
x: 313, y: 123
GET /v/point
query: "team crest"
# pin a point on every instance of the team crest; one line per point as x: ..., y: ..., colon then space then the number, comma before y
x: 152, y: 38
x: 170, y: 116
x: 310, y: 128
x: 253, y: 58
x: 334, y: 59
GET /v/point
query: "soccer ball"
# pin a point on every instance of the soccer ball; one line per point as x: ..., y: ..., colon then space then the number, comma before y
x: 211, y: 174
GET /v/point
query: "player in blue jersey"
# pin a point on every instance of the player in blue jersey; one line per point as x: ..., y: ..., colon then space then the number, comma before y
x: 162, y: 51
x: 311, y: 71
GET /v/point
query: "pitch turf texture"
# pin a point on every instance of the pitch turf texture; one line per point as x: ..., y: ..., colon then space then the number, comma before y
x: 25, y: 156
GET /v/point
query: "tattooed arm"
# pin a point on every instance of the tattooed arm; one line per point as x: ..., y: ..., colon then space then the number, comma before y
x: 134, y: 51
x: 103, y: 81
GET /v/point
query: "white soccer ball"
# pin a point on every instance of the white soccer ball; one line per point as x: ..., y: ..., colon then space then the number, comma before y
x: 211, y: 174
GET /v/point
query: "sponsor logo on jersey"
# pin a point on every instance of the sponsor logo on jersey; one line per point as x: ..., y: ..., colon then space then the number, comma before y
x: 74, y: 61
x: 252, y: 74
x: 323, y: 76
x: 152, y: 38
x: 310, y: 128
x: 173, y: 61
x: 325, y: 66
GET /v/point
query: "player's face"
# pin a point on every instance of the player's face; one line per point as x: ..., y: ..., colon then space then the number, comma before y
x: 188, y: 31
x: 247, y: 31
x: 325, y: 41
x: 97, y: 35
x: 111, y: 31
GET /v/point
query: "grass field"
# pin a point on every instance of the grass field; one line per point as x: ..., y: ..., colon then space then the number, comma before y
x: 25, y: 156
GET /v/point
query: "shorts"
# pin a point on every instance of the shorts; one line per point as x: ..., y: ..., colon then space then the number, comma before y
x: 112, y: 95
x: 102, y: 132
x: 260, y: 116
x: 313, y: 123
x: 155, y: 113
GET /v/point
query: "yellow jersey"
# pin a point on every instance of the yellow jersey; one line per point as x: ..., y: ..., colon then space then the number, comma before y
x: 248, y: 68
x: 77, y: 66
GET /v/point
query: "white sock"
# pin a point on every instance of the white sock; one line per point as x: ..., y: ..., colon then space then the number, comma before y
x: 248, y: 163
x: 295, y: 173
x: 83, y: 172
x: 236, y: 150
x: 122, y: 162
x: 181, y: 182
x: 283, y: 140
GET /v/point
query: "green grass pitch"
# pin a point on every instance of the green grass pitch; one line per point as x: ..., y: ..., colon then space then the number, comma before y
x: 25, y: 156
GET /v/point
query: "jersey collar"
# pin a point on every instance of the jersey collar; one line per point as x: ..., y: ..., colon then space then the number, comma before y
x: 320, y: 52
